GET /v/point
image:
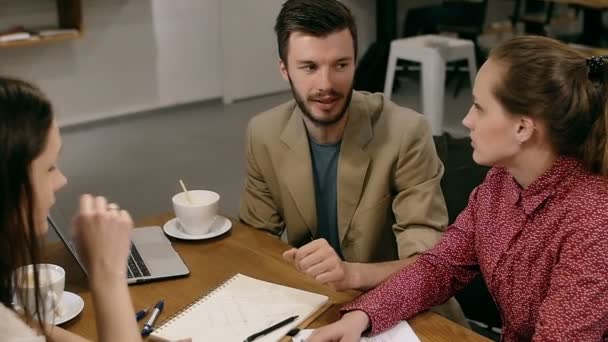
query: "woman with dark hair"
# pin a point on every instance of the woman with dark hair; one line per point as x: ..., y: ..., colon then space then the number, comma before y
x: 29, y: 177
x: 537, y: 227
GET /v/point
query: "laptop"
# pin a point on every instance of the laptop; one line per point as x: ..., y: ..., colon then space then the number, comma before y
x: 152, y: 257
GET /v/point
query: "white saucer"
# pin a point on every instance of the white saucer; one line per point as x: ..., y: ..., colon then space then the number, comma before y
x: 70, y: 306
x: 220, y: 226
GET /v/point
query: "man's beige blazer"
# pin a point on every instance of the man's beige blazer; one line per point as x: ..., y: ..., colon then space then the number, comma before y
x: 390, y: 203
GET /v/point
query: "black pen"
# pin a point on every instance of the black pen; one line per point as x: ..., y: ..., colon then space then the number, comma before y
x: 271, y: 329
x: 141, y: 314
x: 150, y: 324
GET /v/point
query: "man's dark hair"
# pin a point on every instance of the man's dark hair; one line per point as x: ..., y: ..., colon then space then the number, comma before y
x: 318, y: 18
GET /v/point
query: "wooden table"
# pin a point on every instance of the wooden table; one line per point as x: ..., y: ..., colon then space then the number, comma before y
x: 597, y: 4
x: 242, y: 250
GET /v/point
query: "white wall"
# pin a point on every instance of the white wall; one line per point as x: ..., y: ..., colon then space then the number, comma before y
x: 137, y: 55
x: 365, y: 18
x: 134, y: 55
x: 249, y: 50
x: 188, y: 49
x: 249, y: 53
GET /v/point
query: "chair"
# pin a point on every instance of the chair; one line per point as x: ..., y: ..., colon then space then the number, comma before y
x: 466, y: 19
x: 461, y: 176
x: 535, y: 17
x: 432, y: 52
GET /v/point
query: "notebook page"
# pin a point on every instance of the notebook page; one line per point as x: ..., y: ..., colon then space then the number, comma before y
x: 239, y: 308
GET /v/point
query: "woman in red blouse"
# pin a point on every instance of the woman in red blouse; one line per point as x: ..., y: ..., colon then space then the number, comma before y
x: 537, y: 227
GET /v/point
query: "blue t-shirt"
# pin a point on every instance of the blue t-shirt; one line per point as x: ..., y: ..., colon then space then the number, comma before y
x: 325, y: 172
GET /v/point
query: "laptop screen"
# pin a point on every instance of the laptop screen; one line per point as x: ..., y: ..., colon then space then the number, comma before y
x: 60, y: 223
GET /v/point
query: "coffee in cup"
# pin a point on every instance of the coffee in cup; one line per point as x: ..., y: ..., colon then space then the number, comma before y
x: 196, y: 217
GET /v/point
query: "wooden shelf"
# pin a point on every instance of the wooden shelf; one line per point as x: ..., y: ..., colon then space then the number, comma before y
x: 69, y: 15
x: 41, y: 40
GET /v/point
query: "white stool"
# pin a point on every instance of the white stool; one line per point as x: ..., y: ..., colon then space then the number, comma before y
x: 432, y: 52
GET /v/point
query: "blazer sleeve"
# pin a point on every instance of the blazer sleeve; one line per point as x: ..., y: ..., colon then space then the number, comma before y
x: 257, y: 207
x: 419, y: 207
x: 437, y: 275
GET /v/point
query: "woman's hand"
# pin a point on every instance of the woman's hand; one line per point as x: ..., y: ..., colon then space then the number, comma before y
x: 348, y: 329
x: 103, y: 238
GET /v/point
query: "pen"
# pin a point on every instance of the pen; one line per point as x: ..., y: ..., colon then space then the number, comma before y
x: 149, y: 325
x: 293, y: 332
x: 141, y: 314
x: 271, y: 329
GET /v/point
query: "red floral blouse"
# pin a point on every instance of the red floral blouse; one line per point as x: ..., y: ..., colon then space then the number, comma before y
x: 542, y: 251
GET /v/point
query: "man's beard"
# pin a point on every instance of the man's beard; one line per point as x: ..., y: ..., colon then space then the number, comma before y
x: 320, y: 121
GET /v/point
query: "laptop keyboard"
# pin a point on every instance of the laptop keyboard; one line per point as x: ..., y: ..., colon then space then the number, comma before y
x: 135, y: 266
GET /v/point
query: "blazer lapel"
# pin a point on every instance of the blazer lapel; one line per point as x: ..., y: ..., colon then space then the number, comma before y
x: 353, y: 163
x: 297, y: 169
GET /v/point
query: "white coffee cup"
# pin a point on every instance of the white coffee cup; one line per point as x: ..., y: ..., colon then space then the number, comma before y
x: 196, y: 218
x: 51, y: 280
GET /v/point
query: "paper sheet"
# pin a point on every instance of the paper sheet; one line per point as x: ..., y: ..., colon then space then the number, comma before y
x: 402, y: 332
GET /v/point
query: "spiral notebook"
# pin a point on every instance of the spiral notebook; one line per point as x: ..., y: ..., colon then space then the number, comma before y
x: 238, y: 308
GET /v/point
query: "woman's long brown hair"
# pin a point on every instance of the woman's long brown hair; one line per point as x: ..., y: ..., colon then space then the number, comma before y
x: 550, y: 80
x: 25, y: 120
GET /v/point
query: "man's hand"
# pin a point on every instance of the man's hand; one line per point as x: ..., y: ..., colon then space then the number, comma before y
x: 320, y: 261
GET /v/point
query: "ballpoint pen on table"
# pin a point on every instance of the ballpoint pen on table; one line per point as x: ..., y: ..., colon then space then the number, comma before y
x: 271, y: 328
x: 141, y: 314
x: 150, y: 324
